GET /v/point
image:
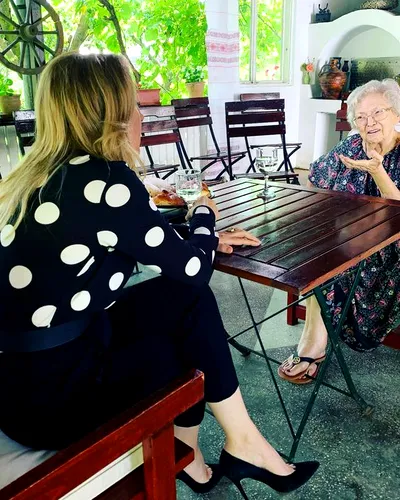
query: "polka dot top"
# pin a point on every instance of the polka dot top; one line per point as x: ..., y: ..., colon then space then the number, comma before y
x: 80, y: 240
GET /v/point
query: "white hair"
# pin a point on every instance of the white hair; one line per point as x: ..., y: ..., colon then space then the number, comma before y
x: 389, y: 88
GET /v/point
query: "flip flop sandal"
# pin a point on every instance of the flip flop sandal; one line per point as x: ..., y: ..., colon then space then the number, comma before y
x: 300, y: 378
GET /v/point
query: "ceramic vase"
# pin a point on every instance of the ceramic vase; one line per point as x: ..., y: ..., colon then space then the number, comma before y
x: 332, y: 81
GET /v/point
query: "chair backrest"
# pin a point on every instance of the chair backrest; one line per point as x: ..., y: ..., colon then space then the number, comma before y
x: 259, y: 96
x: 342, y: 125
x: 255, y: 118
x: 193, y: 112
x: 159, y: 126
x: 24, y: 122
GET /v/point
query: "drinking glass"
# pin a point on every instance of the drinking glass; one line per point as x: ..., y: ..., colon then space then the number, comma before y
x: 188, y: 185
x: 266, y: 162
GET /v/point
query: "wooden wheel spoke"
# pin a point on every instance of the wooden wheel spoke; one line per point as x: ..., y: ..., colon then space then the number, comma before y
x: 16, y: 11
x: 28, y: 11
x: 22, y: 55
x: 43, y: 46
x: 3, y: 16
x: 12, y: 44
x: 47, y: 32
x: 41, y: 20
x: 6, y: 32
x: 36, y: 55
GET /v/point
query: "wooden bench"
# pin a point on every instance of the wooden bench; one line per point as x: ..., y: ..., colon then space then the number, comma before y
x: 150, y: 423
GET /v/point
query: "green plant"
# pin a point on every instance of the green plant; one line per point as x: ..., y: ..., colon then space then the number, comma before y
x: 193, y: 75
x: 160, y: 37
x: 5, y: 85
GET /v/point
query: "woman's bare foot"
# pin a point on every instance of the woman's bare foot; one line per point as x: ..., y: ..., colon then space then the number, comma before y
x: 198, y: 469
x: 255, y: 450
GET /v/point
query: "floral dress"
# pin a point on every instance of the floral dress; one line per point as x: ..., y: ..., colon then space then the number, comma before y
x: 375, y: 309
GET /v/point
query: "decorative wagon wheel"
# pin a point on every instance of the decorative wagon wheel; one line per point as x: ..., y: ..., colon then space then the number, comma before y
x: 34, y: 36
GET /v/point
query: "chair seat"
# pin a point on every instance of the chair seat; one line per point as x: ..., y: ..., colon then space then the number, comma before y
x: 272, y: 175
x: 161, y: 168
x: 16, y: 460
x: 218, y: 156
x: 278, y: 145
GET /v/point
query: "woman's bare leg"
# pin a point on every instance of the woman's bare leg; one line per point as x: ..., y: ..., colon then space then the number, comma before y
x: 313, y: 341
x: 198, y: 470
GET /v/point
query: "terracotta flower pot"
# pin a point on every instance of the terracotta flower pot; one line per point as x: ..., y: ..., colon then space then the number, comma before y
x: 195, y: 89
x: 148, y: 97
x: 10, y: 103
x: 332, y: 81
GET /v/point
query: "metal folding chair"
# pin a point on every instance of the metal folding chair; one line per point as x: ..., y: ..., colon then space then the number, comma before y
x: 196, y: 112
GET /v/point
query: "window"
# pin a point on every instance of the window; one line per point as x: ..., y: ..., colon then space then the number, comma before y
x: 265, y: 33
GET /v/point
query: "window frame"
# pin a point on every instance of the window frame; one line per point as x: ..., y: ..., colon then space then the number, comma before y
x: 288, y: 16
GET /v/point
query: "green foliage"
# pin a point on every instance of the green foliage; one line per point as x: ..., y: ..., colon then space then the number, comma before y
x: 268, y: 48
x: 193, y: 75
x: 5, y: 85
x: 161, y: 36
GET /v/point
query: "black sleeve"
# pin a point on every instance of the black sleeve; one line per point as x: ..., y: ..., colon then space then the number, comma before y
x: 143, y: 233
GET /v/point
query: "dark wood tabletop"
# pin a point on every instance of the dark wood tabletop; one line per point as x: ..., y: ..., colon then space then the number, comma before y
x: 308, y: 235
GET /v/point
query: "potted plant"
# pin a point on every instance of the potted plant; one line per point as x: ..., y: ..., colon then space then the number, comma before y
x: 147, y: 96
x: 194, y: 78
x: 9, y: 101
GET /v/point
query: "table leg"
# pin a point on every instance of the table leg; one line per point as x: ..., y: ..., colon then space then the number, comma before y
x: 333, y: 334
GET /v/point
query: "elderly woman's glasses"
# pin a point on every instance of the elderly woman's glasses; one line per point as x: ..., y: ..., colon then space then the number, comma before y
x: 378, y: 115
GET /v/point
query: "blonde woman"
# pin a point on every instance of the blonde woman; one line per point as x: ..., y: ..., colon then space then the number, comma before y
x: 75, y: 218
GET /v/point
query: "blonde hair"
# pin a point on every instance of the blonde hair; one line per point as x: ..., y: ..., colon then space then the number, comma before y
x: 83, y: 103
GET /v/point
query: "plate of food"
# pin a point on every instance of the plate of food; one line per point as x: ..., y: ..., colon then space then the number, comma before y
x: 163, y: 194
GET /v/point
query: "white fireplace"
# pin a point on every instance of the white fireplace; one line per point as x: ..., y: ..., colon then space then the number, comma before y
x: 360, y: 34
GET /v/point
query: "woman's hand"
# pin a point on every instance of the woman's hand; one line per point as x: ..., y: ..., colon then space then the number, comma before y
x: 372, y: 166
x: 204, y: 201
x: 233, y: 237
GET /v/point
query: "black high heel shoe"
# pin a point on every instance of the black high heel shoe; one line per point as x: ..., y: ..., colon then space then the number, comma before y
x: 236, y: 470
x: 202, y: 487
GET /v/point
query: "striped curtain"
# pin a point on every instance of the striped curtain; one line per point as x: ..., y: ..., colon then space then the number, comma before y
x: 223, y: 65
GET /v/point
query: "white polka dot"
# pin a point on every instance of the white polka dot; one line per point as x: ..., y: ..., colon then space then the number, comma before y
x: 89, y: 263
x: 78, y: 160
x: 193, y: 266
x: 107, y: 238
x: 201, y: 210
x: 94, y: 191
x: 117, y: 195
x: 73, y: 254
x: 43, y: 316
x: 213, y: 256
x: 108, y: 307
x: 216, y: 233
x: 80, y: 300
x: 156, y: 269
x: 179, y: 236
x: 152, y: 205
x: 202, y: 230
x: 47, y: 213
x: 7, y: 235
x: 154, y: 237
x: 20, y: 277
x: 116, y: 281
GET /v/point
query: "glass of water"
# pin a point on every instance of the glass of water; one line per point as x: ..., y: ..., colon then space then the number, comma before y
x: 188, y: 185
x: 266, y: 162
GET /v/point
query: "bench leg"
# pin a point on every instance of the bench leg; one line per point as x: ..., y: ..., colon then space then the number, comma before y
x: 294, y: 312
x: 159, y: 465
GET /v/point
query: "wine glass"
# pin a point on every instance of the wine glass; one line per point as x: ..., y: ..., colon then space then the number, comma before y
x: 188, y: 185
x: 266, y: 162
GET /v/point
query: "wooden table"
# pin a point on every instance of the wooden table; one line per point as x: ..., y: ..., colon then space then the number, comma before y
x: 309, y: 236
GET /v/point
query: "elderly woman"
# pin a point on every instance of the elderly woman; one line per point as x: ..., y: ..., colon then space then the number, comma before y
x: 365, y: 163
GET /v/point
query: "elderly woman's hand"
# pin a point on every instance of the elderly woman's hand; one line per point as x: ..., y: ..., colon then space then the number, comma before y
x: 233, y: 237
x: 372, y: 166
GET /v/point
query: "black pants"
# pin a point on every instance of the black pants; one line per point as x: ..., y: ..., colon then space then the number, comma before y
x: 157, y: 331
